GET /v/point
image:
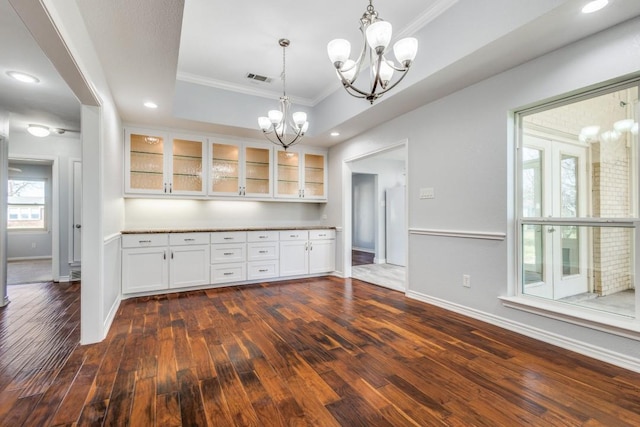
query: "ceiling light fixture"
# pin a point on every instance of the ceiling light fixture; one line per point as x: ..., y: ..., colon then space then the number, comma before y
x: 23, y: 77
x: 376, y: 35
x: 278, y: 122
x: 150, y: 104
x: 335, y: 133
x: 38, y: 130
x: 594, y: 6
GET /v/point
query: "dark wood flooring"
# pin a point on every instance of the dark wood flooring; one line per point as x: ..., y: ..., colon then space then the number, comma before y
x: 312, y: 352
x: 361, y: 258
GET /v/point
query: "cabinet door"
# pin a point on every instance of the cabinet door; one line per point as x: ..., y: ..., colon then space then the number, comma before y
x: 322, y: 256
x: 224, y: 173
x: 187, y: 155
x: 288, y: 174
x: 144, y: 269
x: 144, y: 162
x: 257, y: 171
x: 294, y: 260
x: 189, y: 266
x: 315, y: 176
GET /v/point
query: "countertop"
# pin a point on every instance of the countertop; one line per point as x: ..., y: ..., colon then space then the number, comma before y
x: 213, y: 230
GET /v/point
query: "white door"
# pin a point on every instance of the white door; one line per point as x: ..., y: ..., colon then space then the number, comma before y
x: 322, y: 256
x: 144, y: 269
x: 554, y: 185
x: 190, y: 266
x: 294, y: 259
x: 396, y: 234
x: 77, y: 212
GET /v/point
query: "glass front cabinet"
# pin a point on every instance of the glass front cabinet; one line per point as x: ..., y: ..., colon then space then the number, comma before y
x: 161, y: 163
x: 240, y: 170
x: 301, y: 174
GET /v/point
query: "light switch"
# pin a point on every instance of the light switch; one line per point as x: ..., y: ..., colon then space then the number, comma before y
x: 427, y: 193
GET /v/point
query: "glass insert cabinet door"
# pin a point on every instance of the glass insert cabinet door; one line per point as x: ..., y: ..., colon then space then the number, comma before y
x: 314, y: 176
x: 288, y: 173
x: 146, y: 162
x: 239, y: 169
x: 157, y: 163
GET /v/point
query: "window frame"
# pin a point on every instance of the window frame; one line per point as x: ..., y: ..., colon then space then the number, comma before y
x: 28, y: 207
x: 579, y: 315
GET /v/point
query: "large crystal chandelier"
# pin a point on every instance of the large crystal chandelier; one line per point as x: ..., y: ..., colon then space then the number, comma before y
x: 277, y: 125
x: 376, y: 35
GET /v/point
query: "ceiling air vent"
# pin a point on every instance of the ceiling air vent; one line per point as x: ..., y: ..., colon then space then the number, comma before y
x: 258, y: 78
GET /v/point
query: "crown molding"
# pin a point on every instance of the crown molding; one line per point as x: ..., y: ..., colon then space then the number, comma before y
x: 232, y: 87
x: 437, y: 9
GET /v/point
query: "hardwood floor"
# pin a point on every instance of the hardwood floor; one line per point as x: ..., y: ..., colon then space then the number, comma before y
x: 322, y: 352
x: 361, y: 258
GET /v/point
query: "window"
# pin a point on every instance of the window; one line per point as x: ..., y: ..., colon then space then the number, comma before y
x: 578, y: 206
x: 27, y: 204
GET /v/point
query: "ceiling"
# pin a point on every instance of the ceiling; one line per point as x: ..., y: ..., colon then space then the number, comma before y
x: 191, y: 58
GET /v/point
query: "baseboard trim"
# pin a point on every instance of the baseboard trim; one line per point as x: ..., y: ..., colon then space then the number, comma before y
x: 369, y: 251
x: 580, y: 347
x: 29, y: 258
x: 63, y: 279
x: 111, y: 316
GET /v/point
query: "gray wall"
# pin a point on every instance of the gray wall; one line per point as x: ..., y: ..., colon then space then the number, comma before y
x: 62, y: 149
x: 364, y: 218
x: 463, y: 146
x: 21, y: 243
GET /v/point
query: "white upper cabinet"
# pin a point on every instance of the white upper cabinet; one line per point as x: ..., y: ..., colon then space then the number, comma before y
x: 162, y: 163
x: 300, y: 174
x: 240, y: 170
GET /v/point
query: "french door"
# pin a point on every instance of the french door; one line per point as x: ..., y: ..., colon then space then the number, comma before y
x: 554, y: 184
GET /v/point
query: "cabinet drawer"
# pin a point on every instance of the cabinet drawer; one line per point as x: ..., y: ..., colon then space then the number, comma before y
x: 262, y: 269
x: 294, y: 235
x: 232, y: 252
x: 262, y: 236
x: 227, y: 273
x: 322, y: 234
x: 262, y: 251
x: 144, y: 240
x: 189, y: 239
x: 229, y: 237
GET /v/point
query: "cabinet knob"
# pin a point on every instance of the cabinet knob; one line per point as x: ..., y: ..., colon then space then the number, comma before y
x: 263, y: 252
x: 78, y: 226
x: 228, y: 274
x: 263, y: 270
x: 228, y: 253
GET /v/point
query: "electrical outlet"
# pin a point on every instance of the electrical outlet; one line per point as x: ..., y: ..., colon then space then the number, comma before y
x: 466, y: 280
x: 427, y: 193
x: 33, y: 245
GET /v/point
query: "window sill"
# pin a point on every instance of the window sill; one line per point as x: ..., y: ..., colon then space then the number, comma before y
x: 610, y: 323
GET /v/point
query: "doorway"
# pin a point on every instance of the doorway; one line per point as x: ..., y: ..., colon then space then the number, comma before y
x: 30, y: 221
x: 369, y: 178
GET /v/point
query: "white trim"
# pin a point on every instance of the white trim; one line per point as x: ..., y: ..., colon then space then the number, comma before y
x: 223, y: 85
x: 110, y: 238
x: 64, y: 279
x: 580, y: 347
x: 458, y: 233
x: 369, y: 251
x: 28, y: 258
x: 435, y: 10
x: 111, y: 316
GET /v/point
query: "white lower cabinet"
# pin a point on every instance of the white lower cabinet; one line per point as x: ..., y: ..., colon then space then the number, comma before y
x: 228, y: 257
x: 307, y: 252
x: 162, y: 261
x: 152, y: 262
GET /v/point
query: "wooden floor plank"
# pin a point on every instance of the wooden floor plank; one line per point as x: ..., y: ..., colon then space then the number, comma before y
x: 311, y: 352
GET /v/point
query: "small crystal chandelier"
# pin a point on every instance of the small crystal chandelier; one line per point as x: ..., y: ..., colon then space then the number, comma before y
x: 278, y: 122
x: 376, y: 35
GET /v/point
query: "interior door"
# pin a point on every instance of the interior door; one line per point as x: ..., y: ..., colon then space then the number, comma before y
x: 77, y: 212
x: 554, y: 180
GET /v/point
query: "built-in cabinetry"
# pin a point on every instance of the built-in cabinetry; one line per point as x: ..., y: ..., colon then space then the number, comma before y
x: 163, y: 261
x: 307, y: 252
x: 162, y: 163
x: 152, y: 262
x: 168, y: 164
x: 241, y: 170
x: 301, y: 174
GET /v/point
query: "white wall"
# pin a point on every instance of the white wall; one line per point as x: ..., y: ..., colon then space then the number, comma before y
x: 364, y: 205
x: 29, y: 244
x: 145, y: 214
x: 462, y: 146
x: 62, y: 149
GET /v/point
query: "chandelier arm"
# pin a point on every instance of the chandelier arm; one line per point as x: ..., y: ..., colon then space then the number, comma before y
x: 376, y: 78
x: 346, y: 84
x: 387, y: 89
x: 392, y: 65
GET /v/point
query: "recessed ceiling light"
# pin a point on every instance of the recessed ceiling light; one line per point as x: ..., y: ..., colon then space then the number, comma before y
x: 22, y: 77
x: 150, y: 104
x: 38, y: 130
x: 335, y: 133
x: 594, y: 6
